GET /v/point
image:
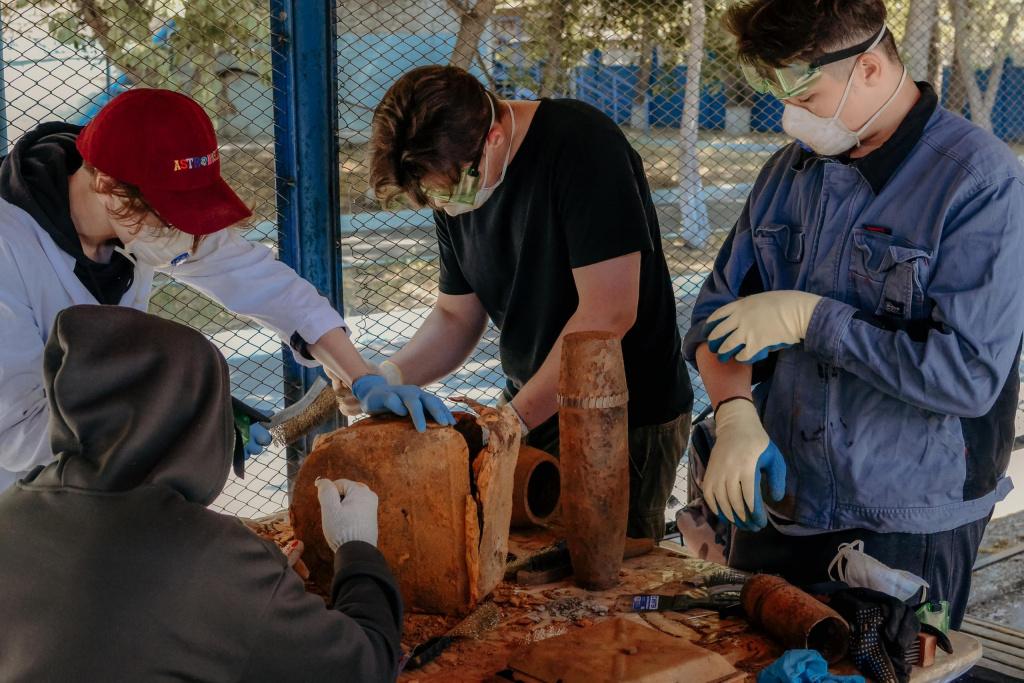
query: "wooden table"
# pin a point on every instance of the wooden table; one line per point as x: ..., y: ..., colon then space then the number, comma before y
x: 534, y: 613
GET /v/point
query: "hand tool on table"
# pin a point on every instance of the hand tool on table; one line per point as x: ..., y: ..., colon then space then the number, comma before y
x: 723, y: 599
x: 553, y: 562
x: 482, y: 619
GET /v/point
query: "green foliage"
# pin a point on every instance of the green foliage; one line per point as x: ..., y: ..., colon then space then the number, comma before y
x: 210, y: 36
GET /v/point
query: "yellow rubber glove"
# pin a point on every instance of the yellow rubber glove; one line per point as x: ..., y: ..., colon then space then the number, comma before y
x: 752, y: 327
x: 741, y: 455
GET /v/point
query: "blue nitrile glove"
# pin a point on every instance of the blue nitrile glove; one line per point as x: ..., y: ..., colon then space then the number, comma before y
x: 252, y: 433
x: 752, y: 327
x: 376, y: 396
x: 259, y: 438
x: 802, y: 666
x: 741, y: 455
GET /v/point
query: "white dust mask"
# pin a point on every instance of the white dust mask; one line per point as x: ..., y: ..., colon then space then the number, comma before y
x: 830, y: 136
x: 484, y: 193
x: 859, y: 570
x: 166, y: 249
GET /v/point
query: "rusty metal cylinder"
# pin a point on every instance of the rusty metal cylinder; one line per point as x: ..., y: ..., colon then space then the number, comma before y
x: 594, y: 455
x: 795, y: 618
x: 536, y: 488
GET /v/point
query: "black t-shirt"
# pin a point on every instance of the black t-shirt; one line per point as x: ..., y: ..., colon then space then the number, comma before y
x: 574, y: 194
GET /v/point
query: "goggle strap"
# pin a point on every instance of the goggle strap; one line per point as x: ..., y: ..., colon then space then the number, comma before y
x: 846, y: 53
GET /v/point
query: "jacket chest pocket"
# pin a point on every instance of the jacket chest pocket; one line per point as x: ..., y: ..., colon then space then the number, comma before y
x: 781, y: 250
x: 886, y: 275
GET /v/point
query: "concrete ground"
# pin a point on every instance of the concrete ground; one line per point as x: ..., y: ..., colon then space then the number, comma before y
x: 997, y: 593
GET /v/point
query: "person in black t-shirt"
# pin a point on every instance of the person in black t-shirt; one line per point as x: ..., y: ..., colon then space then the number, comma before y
x: 545, y: 224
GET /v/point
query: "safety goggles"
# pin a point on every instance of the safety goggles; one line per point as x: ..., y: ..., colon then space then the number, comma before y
x: 463, y: 192
x: 796, y: 79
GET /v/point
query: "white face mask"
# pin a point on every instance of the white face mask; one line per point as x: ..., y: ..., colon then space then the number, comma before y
x: 170, y: 248
x: 484, y: 193
x: 858, y: 569
x: 830, y: 136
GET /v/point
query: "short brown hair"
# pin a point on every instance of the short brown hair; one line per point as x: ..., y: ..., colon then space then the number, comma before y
x: 431, y: 122
x: 781, y: 32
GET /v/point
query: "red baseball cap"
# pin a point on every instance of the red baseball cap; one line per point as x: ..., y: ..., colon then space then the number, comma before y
x: 163, y: 143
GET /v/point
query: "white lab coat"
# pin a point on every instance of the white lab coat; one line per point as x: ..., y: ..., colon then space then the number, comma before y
x: 37, y: 280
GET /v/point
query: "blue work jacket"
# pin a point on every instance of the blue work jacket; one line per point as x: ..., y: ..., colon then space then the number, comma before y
x: 910, y: 357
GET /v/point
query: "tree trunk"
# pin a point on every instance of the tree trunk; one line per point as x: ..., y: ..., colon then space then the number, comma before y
x: 472, y: 21
x: 935, y: 75
x: 696, y: 227
x: 641, y: 98
x: 917, y: 40
x: 982, y: 103
x: 554, y: 36
x: 957, y: 90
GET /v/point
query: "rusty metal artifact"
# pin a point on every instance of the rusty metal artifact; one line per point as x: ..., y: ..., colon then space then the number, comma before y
x: 795, y: 618
x: 594, y: 454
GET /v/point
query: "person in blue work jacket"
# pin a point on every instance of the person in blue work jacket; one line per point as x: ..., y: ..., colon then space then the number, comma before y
x: 872, y: 288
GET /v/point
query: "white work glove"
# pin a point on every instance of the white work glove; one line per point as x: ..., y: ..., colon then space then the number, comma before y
x: 348, y: 403
x: 752, y: 327
x: 511, y: 410
x: 353, y: 518
x: 742, y: 453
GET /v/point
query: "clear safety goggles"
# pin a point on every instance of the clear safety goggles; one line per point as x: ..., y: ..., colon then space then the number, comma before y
x: 463, y: 192
x: 796, y: 79
x: 786, y: 82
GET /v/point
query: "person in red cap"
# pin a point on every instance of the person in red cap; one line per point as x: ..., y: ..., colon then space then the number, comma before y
x: 88, y: 215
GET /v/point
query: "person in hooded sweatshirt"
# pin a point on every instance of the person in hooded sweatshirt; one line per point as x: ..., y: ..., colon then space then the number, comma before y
x: 87, y: 216
x: 113, y: 568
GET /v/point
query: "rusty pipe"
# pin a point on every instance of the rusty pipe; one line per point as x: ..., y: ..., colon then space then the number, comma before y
x: 535, y: 489
x: 795, y: 618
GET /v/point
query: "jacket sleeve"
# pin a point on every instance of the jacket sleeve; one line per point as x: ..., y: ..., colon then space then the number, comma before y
x: 959, y: 363
x: 247, y: 278
x: 734, y: 266
x: 24, y: 413
x: 359, y: 639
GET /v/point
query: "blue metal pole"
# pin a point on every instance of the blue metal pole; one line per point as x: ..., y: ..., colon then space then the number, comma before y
x: 305, y: 122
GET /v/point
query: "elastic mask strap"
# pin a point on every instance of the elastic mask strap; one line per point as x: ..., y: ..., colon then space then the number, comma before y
x: 508, y: 152
x: 849, y: 81
x: 837, y: 563
x: 889, y: 101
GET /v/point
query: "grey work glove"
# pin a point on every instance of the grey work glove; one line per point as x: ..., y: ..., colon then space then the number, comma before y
x: 348, y: 512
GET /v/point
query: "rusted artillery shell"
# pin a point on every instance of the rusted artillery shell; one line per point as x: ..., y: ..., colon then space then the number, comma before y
x: 795, y: 618
x: 594, y: 455
x: 536, y: 489
x: 443, y: 514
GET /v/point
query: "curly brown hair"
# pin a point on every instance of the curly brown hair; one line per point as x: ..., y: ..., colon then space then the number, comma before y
x: 135, y: 207
x: 430, y: 123
x: 781, y: 32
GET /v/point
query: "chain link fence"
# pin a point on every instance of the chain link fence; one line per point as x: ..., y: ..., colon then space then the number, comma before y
x: 65, y: 60
x: 703, y: 140
x: 703, y: 145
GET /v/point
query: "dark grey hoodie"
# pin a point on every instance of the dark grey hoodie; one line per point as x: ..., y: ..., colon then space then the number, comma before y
x: 112, y: 568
